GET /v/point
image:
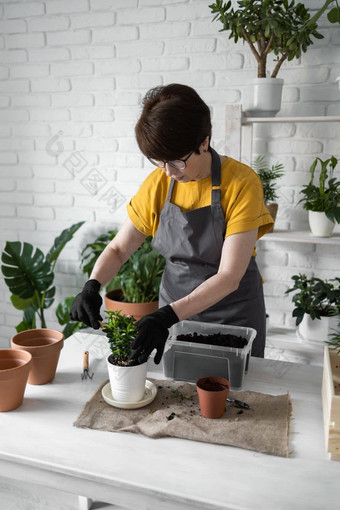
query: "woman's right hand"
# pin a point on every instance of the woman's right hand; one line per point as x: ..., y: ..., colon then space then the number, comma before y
x: 86, y: 305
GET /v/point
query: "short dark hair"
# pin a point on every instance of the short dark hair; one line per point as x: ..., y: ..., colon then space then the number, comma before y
x: 174, y: 122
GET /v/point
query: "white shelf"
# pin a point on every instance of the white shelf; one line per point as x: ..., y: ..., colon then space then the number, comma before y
x: 283, y: 344
x: 253, y: 120
x: 300, y: 236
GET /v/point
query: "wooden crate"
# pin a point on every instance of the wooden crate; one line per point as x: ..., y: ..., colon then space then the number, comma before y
x: 331, y: 402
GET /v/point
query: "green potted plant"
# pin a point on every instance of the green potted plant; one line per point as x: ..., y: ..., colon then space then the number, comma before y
x: 316, y: 301
x: 269, y: 177
x: 135, y: 288
x: 127, y: 377
x: 280, y: 27
x: 29, y: 275
x: 322, y: 201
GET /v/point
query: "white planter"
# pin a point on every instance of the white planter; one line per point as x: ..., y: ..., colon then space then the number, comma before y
x: 264, y: 97
x: 319, y: 224
x: 317, y: 330
x: 127, y: 383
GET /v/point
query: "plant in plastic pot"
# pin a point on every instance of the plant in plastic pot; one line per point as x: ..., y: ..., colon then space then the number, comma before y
x: 268, y: 178
x: 135, y: 288
x: 127, y: 377
x: 316, y: 301
x: 270, y: 26
x: 322, y: 200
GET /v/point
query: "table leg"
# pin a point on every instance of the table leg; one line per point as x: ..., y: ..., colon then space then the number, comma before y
x: 84, y: 503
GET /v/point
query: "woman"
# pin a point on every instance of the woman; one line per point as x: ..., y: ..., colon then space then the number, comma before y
x: 205, y: 213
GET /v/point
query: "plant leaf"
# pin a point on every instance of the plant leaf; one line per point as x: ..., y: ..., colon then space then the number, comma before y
x: 19, y: 303
x: 334, y: 15
x: 63, y: 310
x: 28, y: 321
x: 25, y: 272
x: 61, y: 241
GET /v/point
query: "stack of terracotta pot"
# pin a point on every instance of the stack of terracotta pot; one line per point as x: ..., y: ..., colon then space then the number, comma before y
x: 33, y: 358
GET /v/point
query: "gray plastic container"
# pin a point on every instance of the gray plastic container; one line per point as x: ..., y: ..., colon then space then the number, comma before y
x: 189, y: 361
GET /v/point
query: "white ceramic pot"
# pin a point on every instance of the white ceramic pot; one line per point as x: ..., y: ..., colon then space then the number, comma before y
x: 264, y: 97
x: 317, y: 330
x: 319, y: 224
x: 127, y: 383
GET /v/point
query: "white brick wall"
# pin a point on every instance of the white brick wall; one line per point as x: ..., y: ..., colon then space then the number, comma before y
x: 72, y: 75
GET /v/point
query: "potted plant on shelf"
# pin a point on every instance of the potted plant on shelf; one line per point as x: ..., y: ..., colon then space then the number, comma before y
x: 127, y: 377
x: 269, y: 177
x: 135, y: 288
x: 270, y: 26
x: 322, y: 201
x: 316, y: 301
x: 331, y: 393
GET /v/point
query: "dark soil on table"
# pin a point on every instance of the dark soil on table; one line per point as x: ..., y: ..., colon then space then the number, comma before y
x: 215, y: 339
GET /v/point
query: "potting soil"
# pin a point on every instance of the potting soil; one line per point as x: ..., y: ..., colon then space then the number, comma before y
x: 226, y: 340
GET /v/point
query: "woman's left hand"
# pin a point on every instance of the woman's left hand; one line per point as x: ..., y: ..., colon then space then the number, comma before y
x: 153, y: 331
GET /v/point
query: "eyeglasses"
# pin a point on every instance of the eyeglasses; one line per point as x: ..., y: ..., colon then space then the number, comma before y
x: 178, y: 164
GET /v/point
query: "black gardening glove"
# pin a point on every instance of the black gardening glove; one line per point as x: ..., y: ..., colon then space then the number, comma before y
x: 86, y: 305
x: 153, y: 331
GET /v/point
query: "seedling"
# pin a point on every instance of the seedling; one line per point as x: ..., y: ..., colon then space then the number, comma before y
x: 121, y: 331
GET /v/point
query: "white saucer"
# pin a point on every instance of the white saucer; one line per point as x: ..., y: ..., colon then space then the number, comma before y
x: 149, y: 396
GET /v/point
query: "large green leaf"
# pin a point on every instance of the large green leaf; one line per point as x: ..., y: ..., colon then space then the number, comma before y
x: 19, y: 303
x: 63, y: 316
x: 61, y: 241
x: 92, y: 251
x: 63, y: 310
x: 28, y: 321
x: 25, y: 271
x: 49, y: 297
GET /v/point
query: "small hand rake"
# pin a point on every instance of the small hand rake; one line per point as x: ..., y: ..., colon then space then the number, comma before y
x: 86, y: 374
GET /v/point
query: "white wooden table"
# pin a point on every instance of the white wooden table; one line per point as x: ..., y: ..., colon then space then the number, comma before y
x: 38, y: 444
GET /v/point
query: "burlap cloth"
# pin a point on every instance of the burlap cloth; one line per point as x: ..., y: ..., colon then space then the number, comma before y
x: 175, y: 412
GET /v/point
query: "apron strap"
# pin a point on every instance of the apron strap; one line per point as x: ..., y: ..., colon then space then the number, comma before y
x: 215, y: 178
x: 172, y: 182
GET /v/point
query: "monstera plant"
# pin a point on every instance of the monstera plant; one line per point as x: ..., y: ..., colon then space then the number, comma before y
x: 29, y: 275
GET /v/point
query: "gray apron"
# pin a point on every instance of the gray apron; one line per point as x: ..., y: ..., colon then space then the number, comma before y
x: 191, y: 243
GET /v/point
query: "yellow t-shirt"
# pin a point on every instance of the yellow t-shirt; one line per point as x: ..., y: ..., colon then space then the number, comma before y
x: 241, y: 199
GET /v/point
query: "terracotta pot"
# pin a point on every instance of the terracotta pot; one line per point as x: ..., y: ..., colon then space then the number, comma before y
x: 45, y: 346
x: 137, y: 310
x: 212, y: 393
x: 14, y: 370
x: 272, y: 208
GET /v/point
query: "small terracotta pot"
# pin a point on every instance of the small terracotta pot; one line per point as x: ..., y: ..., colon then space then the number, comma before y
x: 136, y: 310
x: 212, y: 393
x: 14, y: 370
x: 45, y: 346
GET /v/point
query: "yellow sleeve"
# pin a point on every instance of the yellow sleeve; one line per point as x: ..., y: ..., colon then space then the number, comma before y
x: 146, y: 205
x: 247, y: 210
